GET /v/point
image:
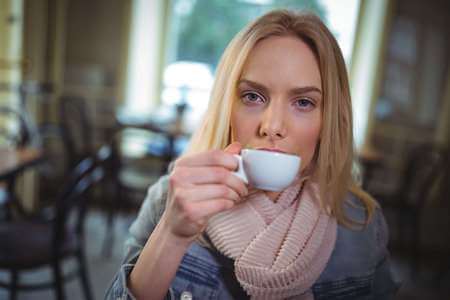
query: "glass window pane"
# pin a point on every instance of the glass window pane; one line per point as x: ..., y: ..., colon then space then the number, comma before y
x: 201, y: 29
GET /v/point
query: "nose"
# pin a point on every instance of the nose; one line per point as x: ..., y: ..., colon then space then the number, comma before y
x: 273, y: 122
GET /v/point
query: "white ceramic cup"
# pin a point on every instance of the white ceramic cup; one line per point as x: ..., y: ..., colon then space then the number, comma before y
x: 267, y: 170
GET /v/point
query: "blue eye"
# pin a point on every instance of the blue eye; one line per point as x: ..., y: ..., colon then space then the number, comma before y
x: 304, y: 103
x: 251, y: 98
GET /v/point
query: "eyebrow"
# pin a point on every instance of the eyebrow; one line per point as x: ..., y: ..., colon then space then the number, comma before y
x: 298, y: 90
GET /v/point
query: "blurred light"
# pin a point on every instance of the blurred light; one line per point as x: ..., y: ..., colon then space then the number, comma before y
x: 258, y: 2
x: 184, y: 7
x: 341, y: 18
x: 194, y: 75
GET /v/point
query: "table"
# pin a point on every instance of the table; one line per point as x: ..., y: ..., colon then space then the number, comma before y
x: 171, y: 129
x: 12, y: 163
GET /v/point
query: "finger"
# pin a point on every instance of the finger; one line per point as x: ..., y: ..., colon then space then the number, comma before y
x: 211, y: 175
x: 252, y: 191
x: 233, y: 148
x: 207, y: 209
x: 206, y: 192
x: 209, y: 158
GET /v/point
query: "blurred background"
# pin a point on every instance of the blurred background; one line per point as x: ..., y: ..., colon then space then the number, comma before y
x: 98, y: 96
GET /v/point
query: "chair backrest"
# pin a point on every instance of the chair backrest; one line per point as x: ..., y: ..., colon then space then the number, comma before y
x: 74, y: 196
x: 135, y: 145
x: 53, y: 170
x: 106, y: 158
x: 77, y: 128
x: 424, y: 165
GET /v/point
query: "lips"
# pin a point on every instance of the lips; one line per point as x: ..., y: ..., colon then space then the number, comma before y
x: 271, y: 150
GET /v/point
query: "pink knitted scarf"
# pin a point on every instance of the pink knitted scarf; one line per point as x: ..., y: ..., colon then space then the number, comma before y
x: 279, y: 248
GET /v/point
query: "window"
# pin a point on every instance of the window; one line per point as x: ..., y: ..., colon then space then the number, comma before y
x: 199, y: 31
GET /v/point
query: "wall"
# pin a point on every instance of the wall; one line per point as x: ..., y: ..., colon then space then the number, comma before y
x: 94, y: 46
x: 11, y: 62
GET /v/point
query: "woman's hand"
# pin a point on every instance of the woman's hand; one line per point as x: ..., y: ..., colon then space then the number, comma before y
x: 200, y: 186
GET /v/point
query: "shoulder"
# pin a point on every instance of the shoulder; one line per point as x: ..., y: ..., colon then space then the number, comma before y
x: 359, y: 264
x: 358, y: 249
x: 375, y: 230
x: 371, y: 236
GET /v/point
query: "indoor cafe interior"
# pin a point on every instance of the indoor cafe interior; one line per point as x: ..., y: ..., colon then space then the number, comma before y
x: 98, y: 97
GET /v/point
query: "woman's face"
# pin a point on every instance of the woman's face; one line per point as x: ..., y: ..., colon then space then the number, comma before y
x: 279, y: 99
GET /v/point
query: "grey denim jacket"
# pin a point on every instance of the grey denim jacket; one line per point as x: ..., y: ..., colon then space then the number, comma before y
x: 358, y: 268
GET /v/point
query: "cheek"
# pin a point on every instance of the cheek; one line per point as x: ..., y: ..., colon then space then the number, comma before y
x: 307, y: 138
x: 243, y: 126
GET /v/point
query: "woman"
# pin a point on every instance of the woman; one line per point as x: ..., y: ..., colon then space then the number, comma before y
x: 202, y: 233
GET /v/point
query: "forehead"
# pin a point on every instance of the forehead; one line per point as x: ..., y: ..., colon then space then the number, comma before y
x: 282, y: 58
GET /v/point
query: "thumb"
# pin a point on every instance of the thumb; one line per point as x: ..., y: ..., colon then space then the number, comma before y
x: 233, y: 148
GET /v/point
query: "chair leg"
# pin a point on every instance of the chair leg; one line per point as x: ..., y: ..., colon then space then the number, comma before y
x: 440, y: 275
x: 84, y: 275
x: 58, y: 280
x: 113, y: 209
x: 108, y: 242
x: 402, y: 223
x: 14, y: 279
x: 415, y: 257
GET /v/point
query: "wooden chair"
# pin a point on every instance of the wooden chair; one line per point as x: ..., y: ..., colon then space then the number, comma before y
x: 444, y: 196
x: 127, y: 178
x: 424, y: 165
x: 49, y: 238
x: 77, y: 128
x: 55, y: 168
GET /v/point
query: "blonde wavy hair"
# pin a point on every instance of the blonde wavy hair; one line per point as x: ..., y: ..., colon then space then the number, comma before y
x: 333, y: 160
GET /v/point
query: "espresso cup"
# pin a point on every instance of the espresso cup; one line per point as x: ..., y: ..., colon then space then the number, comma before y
x: 267, y: 170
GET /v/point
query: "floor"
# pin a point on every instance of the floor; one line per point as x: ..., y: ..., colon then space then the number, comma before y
x: 102, y: 269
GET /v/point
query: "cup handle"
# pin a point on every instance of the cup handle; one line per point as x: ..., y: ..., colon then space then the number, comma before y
x: 240, y: 170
